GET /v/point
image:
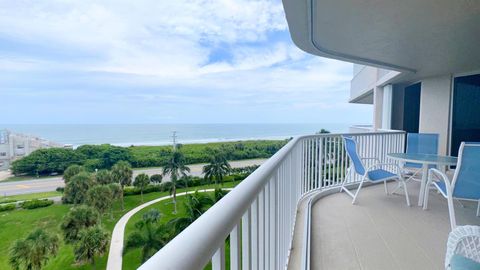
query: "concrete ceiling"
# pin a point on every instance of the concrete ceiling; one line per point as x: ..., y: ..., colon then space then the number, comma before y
x: 420, y: 37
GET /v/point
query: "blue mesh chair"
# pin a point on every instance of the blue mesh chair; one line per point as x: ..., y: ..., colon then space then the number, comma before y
x: 420, y: 143
x: 374, y: 173
x: 465, y: 184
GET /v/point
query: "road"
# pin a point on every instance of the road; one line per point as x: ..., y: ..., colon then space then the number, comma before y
x: 50, y: 184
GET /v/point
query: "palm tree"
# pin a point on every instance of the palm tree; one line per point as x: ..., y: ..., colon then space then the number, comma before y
x: 149, y: 235
x: 122, y: 173
x: 141, y: 181
x: 175, y: 167
x: 33, y: 252
x: 195, y: 205
x: 93, y: 242
x: 76, y: 220
x: 218, y: 168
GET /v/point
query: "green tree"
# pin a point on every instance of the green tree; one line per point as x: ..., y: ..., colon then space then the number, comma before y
x: 103, y: 177
x: 195, y: 205
x: 175, y: 167
x: 219, y: 194
x: 47, y: 161
x: 100, y: 197
x: 76, y: 189
x: 114, y: 154
x: 156, y: 178
x: 217, y: 168
x: 122, y: 173
x: 77, y: 219
x: 141, y: 181
x: 71, y: 171
x: 149, y: 235
x: 117, y: 192
x: 93, y: 242
x: 323, y: 131
x: 33, y: 252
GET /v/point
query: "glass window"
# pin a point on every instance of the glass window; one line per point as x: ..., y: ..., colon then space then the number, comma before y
x: 466, y: 111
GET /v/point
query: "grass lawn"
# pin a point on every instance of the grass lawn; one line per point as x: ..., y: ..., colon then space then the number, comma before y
x: 24, y: 197
x: 19, y: 223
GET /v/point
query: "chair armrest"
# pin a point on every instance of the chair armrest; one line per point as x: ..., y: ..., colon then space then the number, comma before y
x: 442, y: 176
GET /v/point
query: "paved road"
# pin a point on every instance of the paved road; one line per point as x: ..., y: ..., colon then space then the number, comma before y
x: 50, y: 184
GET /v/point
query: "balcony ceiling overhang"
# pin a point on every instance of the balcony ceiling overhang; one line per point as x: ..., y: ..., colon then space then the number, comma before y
x: 421, y: 37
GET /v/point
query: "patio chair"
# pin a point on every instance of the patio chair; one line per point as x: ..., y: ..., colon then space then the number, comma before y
x: 374, y: 173
x: 465, y: 184
x: 463, y: 249
x: 420, y: 143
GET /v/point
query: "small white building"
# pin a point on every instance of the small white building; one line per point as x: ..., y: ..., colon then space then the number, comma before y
x: 14, y: 146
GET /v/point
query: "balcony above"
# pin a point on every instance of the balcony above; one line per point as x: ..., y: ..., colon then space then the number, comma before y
x: 422, y: 38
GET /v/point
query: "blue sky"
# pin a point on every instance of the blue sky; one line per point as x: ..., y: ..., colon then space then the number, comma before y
x: 149, y: 61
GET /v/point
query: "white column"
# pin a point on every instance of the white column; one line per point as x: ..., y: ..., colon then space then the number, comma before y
x: 377, y: 107
x: 387, y: 107
x: 435, y: 109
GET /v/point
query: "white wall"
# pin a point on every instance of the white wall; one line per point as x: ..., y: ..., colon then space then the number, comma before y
x: 435, y: 109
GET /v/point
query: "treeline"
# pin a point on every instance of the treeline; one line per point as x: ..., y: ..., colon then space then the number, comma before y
x: 56, y: 160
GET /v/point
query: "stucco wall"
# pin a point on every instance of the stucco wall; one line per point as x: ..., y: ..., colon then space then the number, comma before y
x: 435, y: 109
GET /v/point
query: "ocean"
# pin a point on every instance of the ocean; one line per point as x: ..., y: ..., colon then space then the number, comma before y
x: 161, y: 134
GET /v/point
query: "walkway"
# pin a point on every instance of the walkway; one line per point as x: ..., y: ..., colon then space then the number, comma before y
x: 116, y: 245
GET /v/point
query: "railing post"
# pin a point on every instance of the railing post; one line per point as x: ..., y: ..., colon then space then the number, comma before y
x: 261, y: 230
x: 273, y: 223
x: 235, y: 249
x: 246, y: 245
x: 218, y: 260
x: 254, y: 234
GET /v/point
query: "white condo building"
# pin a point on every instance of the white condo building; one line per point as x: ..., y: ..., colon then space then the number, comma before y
x: 14, y: 146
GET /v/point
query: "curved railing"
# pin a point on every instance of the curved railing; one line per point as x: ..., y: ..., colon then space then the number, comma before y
x: 259, y: 214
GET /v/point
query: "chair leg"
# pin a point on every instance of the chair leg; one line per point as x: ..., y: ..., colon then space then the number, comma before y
x: 358, y: 190
x: 406, y: 192
x: 451, y: 212
x: 386, y: 188
x: 425, y: 196
x: 478, y: 209
x: 347, y: 176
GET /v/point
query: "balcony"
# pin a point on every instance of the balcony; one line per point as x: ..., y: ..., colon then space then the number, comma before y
x: 288, y: 214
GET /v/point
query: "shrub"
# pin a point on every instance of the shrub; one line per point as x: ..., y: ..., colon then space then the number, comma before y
x: 7, y: 207
x: 32, y: 204
x: 7, y: 201
x: 60, y: 189
x: 156, y: 178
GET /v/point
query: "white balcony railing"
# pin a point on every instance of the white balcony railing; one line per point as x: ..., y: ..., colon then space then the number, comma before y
x: 259, y: 214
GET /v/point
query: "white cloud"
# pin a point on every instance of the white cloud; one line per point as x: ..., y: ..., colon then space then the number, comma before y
x: 164, y: 52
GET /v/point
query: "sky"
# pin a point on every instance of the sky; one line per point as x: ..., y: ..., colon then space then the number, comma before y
x: 150, y: 61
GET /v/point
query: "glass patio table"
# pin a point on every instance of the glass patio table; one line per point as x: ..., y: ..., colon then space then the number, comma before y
x: 425, y: 160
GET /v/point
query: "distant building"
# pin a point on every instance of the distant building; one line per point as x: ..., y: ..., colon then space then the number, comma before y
x: 14, y: 146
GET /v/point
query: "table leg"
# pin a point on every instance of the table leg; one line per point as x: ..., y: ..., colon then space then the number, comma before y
x: 424, y: 183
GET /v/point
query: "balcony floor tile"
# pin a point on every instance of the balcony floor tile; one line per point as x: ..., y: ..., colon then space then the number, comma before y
x: 382, y: 232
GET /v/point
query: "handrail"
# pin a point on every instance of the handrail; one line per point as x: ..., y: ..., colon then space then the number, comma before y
x: 265, y: 200
x: 214, y: 229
